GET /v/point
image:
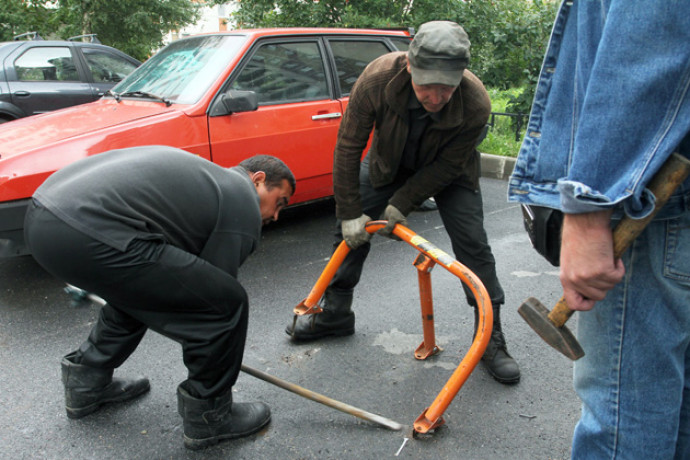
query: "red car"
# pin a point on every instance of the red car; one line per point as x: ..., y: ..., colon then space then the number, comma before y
x: 224, y: 97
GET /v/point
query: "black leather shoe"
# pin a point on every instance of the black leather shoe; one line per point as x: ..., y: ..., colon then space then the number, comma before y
x: 496, y: 358
x: 498, y: 361
x: 428, y: 205
x: 88, y: 388
x: 79, y: 404
x: 321, y: 325
x: 207, y: 422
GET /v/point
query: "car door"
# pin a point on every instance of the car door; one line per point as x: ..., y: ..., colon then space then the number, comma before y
x: 302, y: 86
x: 45, y: 78
x: 352, y: 54
x: 297, y: 119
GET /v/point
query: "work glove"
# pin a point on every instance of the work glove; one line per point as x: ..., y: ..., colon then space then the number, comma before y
x: 354, y: 233
x: 393, y: 216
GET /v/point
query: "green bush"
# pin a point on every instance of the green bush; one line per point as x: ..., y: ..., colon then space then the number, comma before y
x: 508, y: 39
x: 501, y: 138
x: 508, y: 36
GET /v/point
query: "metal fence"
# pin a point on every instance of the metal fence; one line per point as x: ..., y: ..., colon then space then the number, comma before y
x: 521, y: 119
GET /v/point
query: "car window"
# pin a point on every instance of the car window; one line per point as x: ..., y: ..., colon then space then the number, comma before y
x: 351, y: 57
x: 107, y: 67
x: 44, y: 63
x: 285, y: 72
x: 403, y: 44
x: 184, y: 70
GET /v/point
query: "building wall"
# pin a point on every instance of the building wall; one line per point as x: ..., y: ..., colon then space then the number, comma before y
x: 213, y: 19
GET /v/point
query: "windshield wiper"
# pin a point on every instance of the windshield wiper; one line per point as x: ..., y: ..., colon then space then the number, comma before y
x: 144, y: 94
x: 113, y: 94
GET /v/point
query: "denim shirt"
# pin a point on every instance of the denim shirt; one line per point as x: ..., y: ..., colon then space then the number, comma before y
x: 612, y: 103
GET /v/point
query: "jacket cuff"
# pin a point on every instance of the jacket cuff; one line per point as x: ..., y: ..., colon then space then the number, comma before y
x: 404, y: 205
x: 347, y: 213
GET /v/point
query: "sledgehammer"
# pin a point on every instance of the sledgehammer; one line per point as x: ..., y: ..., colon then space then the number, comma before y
x: 551, y: 325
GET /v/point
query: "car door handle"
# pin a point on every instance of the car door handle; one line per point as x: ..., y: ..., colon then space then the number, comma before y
x: 22, y: 93
x: 326, y: 116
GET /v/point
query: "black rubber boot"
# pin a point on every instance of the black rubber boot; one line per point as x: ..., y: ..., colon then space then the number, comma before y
x: 208, y: 421
x: 88, y: 388
x: 496, y: 359
x: 336, y: 320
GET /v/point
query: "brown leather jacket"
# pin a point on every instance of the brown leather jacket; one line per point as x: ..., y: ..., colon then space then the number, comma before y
x: 448, y: 148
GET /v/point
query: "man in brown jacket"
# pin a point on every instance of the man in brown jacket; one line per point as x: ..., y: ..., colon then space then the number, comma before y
x: 428, y: 114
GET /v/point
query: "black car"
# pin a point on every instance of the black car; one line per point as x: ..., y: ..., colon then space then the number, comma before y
x: 38, y: 76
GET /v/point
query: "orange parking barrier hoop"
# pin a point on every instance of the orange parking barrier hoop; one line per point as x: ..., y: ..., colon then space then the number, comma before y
x: 432, y: 416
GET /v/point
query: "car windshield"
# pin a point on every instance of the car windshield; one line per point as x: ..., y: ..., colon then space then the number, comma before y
x: 182, y: 71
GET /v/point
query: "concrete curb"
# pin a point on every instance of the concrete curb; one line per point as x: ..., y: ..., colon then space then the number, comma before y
x: 496, y: 166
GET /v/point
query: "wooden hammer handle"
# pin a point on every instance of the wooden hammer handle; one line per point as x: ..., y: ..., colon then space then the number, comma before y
x: 663, y: 184
x: 673, y: 173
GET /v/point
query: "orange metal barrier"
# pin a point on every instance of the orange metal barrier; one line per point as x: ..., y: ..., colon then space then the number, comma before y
x: 432, y: 417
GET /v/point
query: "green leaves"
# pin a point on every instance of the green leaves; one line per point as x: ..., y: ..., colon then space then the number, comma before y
x: 508, y: 36
x: 20, y: 16
x: 136, y: 27
x: 333, y: 13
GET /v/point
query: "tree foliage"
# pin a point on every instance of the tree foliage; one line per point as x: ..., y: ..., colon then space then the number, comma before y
x: 136, y: 27
x: 508, y: 36
x: 508, y: 43
x: 20, y: 16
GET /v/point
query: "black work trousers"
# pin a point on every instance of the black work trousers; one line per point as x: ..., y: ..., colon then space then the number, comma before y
x: 462, y: 213
x: 151, y: 285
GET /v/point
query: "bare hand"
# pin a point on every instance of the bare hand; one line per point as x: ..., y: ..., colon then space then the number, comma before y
x: 588, y: 268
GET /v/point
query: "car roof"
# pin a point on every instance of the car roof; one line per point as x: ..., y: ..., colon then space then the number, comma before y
x: 9, y: 46
x: 6, y: 48
x: 53, y: 43
x: 277, y: 31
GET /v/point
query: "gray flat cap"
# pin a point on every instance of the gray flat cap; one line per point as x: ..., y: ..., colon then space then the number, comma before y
x: 439, y: 53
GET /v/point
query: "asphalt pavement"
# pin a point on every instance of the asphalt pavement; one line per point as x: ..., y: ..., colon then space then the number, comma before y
x: 374, y: 370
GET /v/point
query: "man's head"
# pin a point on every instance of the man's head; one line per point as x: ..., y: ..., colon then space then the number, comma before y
x: 436, y: 60
x: 274, y: 183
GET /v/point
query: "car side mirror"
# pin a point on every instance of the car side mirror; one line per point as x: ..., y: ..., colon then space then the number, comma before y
x: 234, y: 101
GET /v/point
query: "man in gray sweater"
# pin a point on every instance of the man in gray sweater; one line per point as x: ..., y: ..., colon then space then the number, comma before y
x: 159, y: 234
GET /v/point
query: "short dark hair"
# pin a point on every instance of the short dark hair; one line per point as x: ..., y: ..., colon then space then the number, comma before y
x: 276, y: 171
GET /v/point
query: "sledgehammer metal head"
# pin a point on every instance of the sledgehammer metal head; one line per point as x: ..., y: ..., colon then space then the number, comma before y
x: 551, y: 326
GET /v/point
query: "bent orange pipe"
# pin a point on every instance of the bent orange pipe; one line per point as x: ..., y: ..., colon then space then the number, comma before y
x: 311, y: 303
x: 428, y: 346
x: 431, y: 417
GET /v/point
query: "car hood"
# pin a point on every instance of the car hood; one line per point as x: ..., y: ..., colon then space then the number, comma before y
x: 29, y: 133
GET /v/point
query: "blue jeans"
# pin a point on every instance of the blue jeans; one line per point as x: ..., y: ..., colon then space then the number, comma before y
x: 634, y: 380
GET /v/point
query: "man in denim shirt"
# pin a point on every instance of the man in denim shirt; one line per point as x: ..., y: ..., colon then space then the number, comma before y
x: 611, y: 106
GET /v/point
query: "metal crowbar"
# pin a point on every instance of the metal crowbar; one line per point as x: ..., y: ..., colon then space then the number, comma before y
x: 79, y: 295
